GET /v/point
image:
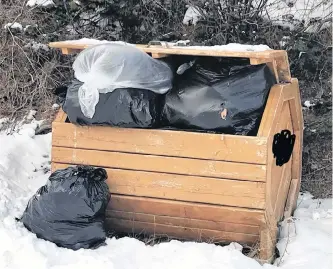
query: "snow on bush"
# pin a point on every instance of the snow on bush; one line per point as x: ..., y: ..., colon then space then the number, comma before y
x: 43, y: 3
x: 291, y: 13
x: 192, y: 15
x: 14, y: 25
x: 37, y: 46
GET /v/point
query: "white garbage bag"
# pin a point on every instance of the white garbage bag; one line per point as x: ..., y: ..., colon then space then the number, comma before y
x: 106, y: 67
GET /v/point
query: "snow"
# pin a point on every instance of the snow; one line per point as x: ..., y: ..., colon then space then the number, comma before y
x: 37, y: 46
x: 228, y: 47
x: 24, y: 167
x: 14, y: 25
x: 91, y: 41
x: 280, y: 13
x: 309, y: 237
x: 31, y: 114
x: 55, y: 106
x: 308, y: 104
x: 192, y: 15
x: 286, y: 13
x: 43, y: 3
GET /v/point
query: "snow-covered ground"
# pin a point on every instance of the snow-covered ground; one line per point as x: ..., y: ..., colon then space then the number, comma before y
x: 24, y: 158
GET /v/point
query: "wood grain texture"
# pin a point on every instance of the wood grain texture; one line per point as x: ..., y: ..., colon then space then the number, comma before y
x: 298, y: 124
x: 272, y: 112
x: 184, y: 188
x: 151, y: 163
x: 268, y: 237
x: 184, y: 222
x: 178, y: 232
x: 268, y: 54
x: 162, y: 142
x: 188, y: 210
x: 60, y: 117
x: 279, y: 179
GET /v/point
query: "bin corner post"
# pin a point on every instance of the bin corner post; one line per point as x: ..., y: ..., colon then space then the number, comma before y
x: 268, y: 239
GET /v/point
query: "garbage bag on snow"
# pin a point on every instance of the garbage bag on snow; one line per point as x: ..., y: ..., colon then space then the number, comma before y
x: 104, y: 68
x: 131, y: 108
x: 70, y: 209
x: 217, y: 96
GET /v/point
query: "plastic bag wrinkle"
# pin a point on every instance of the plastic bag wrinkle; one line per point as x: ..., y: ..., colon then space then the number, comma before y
x: 106, y: 67
x: 70, y: 209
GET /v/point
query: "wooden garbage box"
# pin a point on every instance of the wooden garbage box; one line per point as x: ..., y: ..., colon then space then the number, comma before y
x: 195, y: 186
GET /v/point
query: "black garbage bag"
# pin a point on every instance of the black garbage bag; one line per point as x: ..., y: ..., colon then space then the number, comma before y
x: 70, y: 209
x: 217, y: 96
x: 130, y: 108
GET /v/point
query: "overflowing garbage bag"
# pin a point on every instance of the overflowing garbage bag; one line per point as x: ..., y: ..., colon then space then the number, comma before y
x: 70, y: 209
x: 130, y: 108
x: 216, y: 95
x: 107, y: 67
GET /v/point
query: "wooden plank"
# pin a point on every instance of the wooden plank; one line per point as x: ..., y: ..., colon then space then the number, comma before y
x: 292, y: 198
x: 186, y: 210
x: 268, y: 237
x: 285, y: 177
x: 278, y: 172
x: 283, y: 192
x: 152, y: 163
x: 201, y: 235
x: 282, y: 67
x: 184, y: 222
x: 162, y: 142
x: 188, y: 50
x: 185, y: 188
x: 298, y: 124
x: 60, y: 117
x: 272, y: 111
x: 267, y: 128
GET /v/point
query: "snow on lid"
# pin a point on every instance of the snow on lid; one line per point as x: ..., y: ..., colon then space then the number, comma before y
x: 90, y: 41
x: 14, y: 25
x: 43, y: 3
x: 228, y: 47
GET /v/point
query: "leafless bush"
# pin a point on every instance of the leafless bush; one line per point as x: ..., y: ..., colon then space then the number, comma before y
x: 29, y: 70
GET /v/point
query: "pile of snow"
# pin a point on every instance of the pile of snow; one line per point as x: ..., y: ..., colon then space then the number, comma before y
x: 14, y: 25
x: 43, y: 3
x: 306, y: 240
x: 24, y: 166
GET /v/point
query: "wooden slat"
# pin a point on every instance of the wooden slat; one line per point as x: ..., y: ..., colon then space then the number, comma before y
x: 272, y: 112
x: 283, y: 192
x: 184, y: 188
x: 182, y: 50
x: 162, y: 142
x: 151, y: 163
x: 277, y: 172
x: 298, y: 124
x: 184, y: 222
x: 268, y: 237
x: 201, y: 235
x: 292, y: 198
x: 187, y: 210
x: 60, y: 117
